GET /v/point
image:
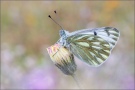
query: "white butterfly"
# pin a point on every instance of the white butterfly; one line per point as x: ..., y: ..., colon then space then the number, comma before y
x: 92, y: 46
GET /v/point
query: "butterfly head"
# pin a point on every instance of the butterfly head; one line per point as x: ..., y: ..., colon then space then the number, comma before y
x: 63, y: 33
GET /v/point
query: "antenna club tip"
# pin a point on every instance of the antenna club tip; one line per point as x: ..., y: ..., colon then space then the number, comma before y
x: 49, y: 16
x: 54, y: 11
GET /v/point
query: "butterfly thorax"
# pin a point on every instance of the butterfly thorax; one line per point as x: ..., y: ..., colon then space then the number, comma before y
x: 63, y: 36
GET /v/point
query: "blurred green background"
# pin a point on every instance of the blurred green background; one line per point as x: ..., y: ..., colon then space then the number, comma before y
x: 26, y: 32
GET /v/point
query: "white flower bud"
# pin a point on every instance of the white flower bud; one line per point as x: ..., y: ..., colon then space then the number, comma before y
x: 62, y: 58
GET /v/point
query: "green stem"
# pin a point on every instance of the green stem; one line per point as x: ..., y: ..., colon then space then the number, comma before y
x: 76, y: 80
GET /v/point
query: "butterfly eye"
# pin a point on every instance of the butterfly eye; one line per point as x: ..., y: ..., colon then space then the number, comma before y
x: 95, y: 33
x: 62, y: 58
x: 62, y: 32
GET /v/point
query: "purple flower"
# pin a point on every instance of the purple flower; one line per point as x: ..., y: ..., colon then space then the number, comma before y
x: 40, y: 79
x: 128, y: 83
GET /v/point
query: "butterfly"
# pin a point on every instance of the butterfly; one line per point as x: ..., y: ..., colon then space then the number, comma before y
x: 92, y: 46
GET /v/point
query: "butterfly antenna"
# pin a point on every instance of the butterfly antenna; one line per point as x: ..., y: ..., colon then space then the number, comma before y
x: 56, y: 22
x: 56, y: 14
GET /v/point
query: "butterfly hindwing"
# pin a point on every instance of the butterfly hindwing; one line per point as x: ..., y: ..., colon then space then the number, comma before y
x: 89, y: 48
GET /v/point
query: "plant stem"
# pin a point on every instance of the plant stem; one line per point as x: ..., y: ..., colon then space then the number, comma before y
x: 76, y: 80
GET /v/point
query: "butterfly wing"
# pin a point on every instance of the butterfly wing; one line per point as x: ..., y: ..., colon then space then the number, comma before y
x: 89, y: 48
x: 93, y: 49
x: 110, y: 34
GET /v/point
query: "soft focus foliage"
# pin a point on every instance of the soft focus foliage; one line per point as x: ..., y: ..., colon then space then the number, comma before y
x: 26, y: 32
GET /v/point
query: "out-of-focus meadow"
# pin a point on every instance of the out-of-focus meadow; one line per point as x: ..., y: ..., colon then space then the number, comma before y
x: 26, y: 32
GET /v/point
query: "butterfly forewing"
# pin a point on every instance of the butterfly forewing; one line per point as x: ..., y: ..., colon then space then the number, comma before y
x: 89, y: 48
x: 110, y: 34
